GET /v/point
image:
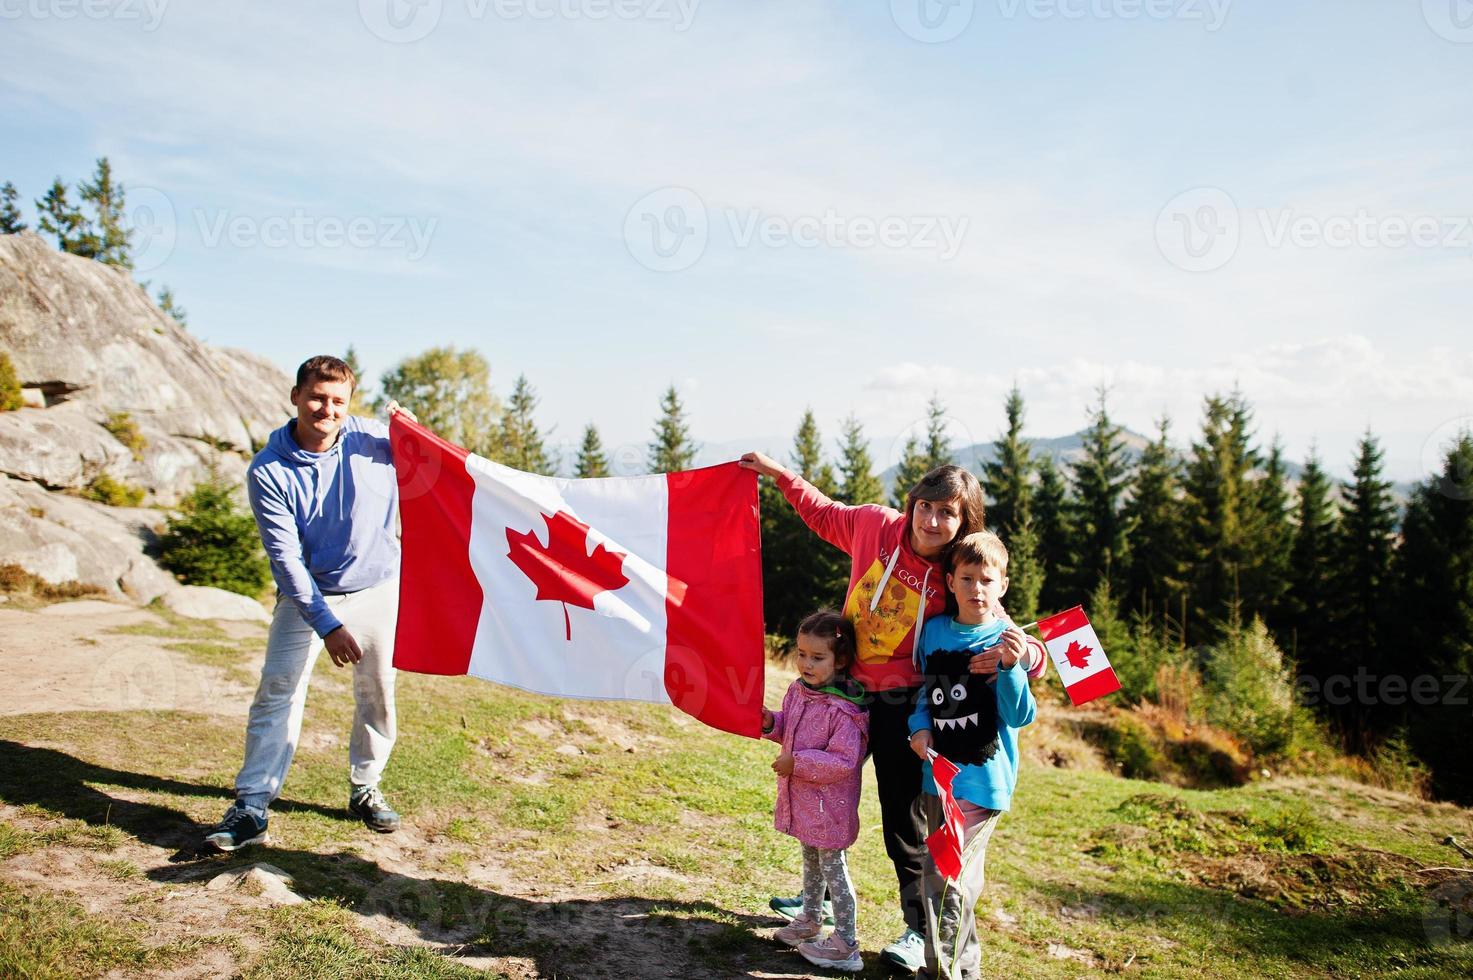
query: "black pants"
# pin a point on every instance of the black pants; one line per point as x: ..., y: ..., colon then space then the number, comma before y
x: 898, y: 779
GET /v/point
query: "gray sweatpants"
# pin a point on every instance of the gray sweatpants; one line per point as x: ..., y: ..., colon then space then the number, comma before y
x: 952, y: 949
x: 275, y: 722
x: 820, y: 868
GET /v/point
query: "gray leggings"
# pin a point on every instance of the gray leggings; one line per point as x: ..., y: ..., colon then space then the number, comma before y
x: 820, y: 868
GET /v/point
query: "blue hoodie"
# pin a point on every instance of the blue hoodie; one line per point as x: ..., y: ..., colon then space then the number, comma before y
x: 992, y: 783
x: 326, y: 519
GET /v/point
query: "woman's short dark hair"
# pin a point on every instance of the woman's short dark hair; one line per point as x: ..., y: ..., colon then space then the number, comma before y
x: 829, y: 625
x: 944, y: 483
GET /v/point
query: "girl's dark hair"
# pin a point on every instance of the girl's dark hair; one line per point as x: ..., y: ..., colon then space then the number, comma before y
x: 829, y: 625
x: 944, y: 483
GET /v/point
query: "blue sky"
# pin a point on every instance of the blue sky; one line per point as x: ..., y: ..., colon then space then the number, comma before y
x: 854, y: 205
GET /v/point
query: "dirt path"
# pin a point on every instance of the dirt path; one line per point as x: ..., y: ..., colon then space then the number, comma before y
x: 71, y: 657
x: 67, y: 657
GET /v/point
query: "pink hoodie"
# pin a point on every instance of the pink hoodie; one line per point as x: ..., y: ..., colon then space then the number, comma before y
x: 886, y: 579
x: 826, y: 735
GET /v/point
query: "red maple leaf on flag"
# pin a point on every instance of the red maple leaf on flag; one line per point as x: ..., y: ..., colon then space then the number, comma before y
x: 1078, y: 654
x: 564, y: 571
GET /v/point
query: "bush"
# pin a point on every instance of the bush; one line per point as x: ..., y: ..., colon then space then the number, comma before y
x: 213, y: 542
x: 1252, y: 690
x: 15, y: 580
x: 115, y: 493
x: 10, y: 398
x: 125, y: 430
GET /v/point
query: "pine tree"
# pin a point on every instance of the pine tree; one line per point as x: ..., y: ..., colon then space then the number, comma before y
x: 214, y: 542
x: 521, y: 444
x: 1311, y: 598
x: 357, y: 405
x: 1155, y: 577
x: 913, y: 465
x: 672, y: 449
x: 800, y: 572
x: 938, y: 443
x: 1364, y: 548
x: 1026, y: 573
x: 857, y: 481
x: 1218, y: 507
x: 1265, y: 581
x: 1051, y: 518
x: 1100, y: 525
x: 111, y: 241
x: 169, y: 305
x: 592, y: 463
x: 1435, y: 601
x: 10, y: 216
x: 60, y: 218
x: 1007, y: 477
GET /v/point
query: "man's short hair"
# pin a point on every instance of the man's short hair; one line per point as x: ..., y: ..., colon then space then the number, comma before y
x: 979, y: 548
x: 326, y: 367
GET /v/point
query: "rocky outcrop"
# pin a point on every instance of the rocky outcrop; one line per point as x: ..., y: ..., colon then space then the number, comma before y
x: 89, y: 345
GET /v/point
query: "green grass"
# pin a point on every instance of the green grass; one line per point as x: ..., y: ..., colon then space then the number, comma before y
x: 42, y: 936
x: 1306, y: 877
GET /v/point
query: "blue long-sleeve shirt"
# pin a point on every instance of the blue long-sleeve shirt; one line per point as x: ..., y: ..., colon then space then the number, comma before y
x: 992, y: 783
x: 326, y: 519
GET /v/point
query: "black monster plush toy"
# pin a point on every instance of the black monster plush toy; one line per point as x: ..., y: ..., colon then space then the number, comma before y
x: 963, y: 709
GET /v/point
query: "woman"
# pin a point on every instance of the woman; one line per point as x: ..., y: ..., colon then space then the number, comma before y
x: 895, y: 583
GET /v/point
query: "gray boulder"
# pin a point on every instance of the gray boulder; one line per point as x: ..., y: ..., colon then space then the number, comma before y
x: 202, y: 602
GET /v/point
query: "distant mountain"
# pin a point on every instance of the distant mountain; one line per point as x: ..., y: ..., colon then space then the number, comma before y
x: 1063, y: 450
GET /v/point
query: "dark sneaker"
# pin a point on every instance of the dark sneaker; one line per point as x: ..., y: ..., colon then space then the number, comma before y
x: 791, y: 908
x: 907, y: 953
x: 239, y: 828
x: 368, y: 804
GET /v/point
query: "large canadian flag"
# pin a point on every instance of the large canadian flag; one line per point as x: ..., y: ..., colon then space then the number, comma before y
x: 1076, y: 651
x: 640, y: 588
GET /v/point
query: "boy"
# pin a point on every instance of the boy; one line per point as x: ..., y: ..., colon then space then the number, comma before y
x: 972, y: 719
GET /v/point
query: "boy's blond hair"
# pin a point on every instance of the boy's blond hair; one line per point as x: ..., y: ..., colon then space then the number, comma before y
x: 979, y: 548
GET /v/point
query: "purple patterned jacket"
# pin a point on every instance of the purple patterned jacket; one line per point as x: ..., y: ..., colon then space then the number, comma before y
x: 819, y: 802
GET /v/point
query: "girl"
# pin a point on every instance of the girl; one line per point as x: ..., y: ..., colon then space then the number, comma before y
x: 822, y: 728
x: 895, y: 582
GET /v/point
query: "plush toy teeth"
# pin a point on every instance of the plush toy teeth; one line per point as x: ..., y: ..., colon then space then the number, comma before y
x: 962, y: 722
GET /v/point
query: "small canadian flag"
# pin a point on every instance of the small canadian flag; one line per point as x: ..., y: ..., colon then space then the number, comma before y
x: 1076, y: 651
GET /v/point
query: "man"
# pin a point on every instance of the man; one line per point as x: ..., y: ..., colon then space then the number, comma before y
x: 325, y: 499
